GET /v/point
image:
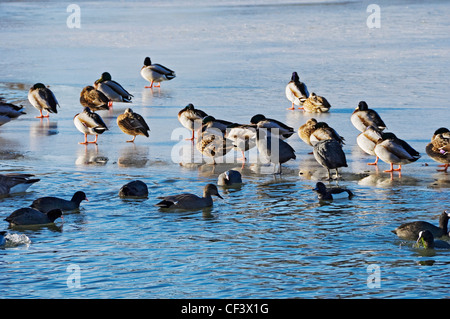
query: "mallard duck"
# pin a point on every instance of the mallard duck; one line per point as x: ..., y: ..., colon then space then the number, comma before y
x: 29, y: 216
x: 89, y: 123
x: 363, y: 117
x: 273, y: 149
x: 305, y: 130
x: 156, y: 73
x: 324, y: 132
x: 329, y: 193
x: 191, y: 118
x: 229, y: 178
x: 113, y: 90
x: 243, y: 137
x: 367, y: 141
x: 395, y: 151
x: 214, y: 145
x: 9, y: 111
x: 439, y: 148
x: 411, y: 230
x: 94, y: 99
x: 16, y: 183
x: 213, y: 125
x: 316, y: 104
x: 48, y: 203
x: 296, y: 91
x: 427, y: 241
x: 43, y: 99
x: 276, y: 127
x: 190, y: 201
x: 132, y: 124
x: 330, y: 155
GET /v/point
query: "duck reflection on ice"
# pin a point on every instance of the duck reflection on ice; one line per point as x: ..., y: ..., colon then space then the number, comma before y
x: 90, y: 156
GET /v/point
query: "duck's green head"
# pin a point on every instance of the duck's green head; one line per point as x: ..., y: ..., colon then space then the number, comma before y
x: 147, y: 61
x: 39, y: 86
x: 208, y: 119
x: 257, y: 118
x: 362, y: 106
x: 295, y: 77
x: 441, y: 130
x: 388, y: 135
x: 105, y: 77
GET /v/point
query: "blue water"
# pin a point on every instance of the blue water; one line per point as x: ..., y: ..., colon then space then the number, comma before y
x: 271, y: 238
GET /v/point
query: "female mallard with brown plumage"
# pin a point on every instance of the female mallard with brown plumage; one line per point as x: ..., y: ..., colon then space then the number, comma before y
x: 316, y: 104
x: 94, y: 99
x: 214, y: 145
x: 439, y: 148
x: 133, y: 124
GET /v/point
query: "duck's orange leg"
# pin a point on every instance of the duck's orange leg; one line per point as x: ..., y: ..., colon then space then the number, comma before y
x: 374, y: 163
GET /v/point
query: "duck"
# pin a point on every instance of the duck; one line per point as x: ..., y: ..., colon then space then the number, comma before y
x: 94, y: 99
x: 9, y: 111
x: 48, y: 203
x: 191, y: 118
x: 190, y: 201
x: 243, y: 137
x: 229, y: 178
x: 213, y: 125
x: 156, y: 73
x: 411, y: 230
x: 133, y: 124
x: 390, y: 149
x: 316, y: 104
x: 330, y: 155
x: 306, y: 129
x: 363, y: 117
x: 16, y: 183
x: 296, y: 91
x: 113, y: 90
x: 214, y: 145
x: 135, y: 188
x: 273, y: 149
x: 427, y: 241
x: 367, y: 141
x: 28, y: 216
x: 43, y: 99
x: 276, y: 127
x: 439, y: 148
x: 89, y: 123
x: 329, y: 193
x: 322, y: 132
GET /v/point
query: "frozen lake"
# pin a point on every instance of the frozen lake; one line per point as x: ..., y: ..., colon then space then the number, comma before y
x: 271, y: 238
